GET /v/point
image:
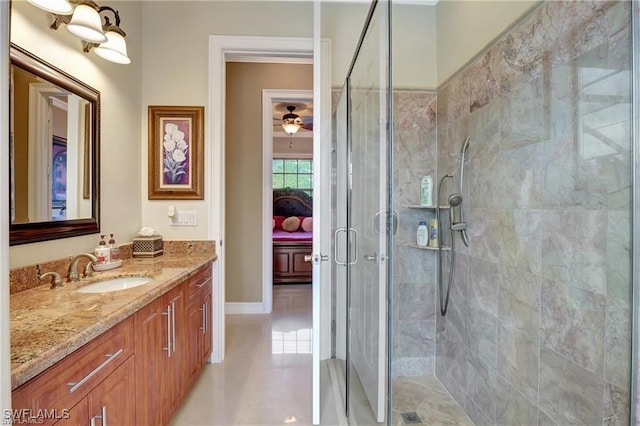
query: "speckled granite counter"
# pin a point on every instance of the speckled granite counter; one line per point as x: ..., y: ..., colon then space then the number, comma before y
x: 47, y: 325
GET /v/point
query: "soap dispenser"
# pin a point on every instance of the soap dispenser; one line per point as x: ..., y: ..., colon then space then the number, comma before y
x: 114, y: 249
x: 102, y: 252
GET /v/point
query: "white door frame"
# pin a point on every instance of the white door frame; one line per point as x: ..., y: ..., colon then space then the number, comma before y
x: 268, y: 97
x: 5, y: 364
x: 267, y: 49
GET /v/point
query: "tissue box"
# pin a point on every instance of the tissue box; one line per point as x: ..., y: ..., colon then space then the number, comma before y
x: 147, y: 246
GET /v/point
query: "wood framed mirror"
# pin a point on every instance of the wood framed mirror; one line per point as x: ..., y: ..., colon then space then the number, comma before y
x: 54, y: 147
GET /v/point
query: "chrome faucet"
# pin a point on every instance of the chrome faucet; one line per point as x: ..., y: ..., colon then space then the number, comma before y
x: 73, y: 266
x: 56, y: 279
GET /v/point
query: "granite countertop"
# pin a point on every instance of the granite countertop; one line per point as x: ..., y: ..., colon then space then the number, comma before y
x: 48, y: 324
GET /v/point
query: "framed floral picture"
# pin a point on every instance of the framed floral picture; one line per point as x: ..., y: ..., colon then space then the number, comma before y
x: 176, y: 153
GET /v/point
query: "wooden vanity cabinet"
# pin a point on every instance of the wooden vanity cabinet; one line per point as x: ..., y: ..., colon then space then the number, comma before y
x: 167, y: 330
x: 112, y: 402
x: 162, y: 353
x: 199, y: 320
x: 171, y: 339
x: 99, y: 374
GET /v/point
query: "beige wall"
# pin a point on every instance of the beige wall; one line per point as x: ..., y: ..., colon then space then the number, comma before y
x: 120, y: 152
x: 176, y: 56
x: 243, y: 165
x: 466, y: 27
x: 414, y: 41
x: 414, y: 44
x: 21, y: 81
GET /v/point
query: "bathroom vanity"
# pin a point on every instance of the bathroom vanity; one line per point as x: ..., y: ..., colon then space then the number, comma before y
x: 128, y: 356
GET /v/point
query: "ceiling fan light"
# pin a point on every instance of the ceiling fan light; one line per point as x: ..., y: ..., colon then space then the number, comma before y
x: 86, y: 24
x: 114, y: 49
x: 59, y: 7
x: 291, y: 127
x: 291, y: 121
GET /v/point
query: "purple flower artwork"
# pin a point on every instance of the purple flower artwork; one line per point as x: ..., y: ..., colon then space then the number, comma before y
x: 176, y: 160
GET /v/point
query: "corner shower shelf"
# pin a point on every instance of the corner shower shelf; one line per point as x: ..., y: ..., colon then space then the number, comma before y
x: 443, y: 248
x: 417, y: 206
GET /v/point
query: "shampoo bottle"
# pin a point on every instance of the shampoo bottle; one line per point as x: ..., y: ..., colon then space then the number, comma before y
x: 433, y: 234
x: 422, y: 234
x: 426, y: 188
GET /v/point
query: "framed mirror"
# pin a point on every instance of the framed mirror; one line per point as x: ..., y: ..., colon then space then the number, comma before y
x: 54, y: 152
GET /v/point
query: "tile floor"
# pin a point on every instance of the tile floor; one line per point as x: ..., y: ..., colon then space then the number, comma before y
x: 265, y: 378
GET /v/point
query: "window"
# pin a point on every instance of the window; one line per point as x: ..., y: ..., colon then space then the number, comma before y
x: 293, y: 173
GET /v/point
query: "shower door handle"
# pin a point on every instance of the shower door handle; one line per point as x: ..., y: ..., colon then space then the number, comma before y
x: 394, y: 224
x: 335, y: 246
x: 355, y: 243
x: 371, y: 257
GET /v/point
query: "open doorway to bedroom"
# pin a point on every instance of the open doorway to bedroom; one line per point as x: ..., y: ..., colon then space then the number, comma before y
x: 292, y: 188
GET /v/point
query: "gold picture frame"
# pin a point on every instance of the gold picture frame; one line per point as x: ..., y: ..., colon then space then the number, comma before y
x: 176, y: 153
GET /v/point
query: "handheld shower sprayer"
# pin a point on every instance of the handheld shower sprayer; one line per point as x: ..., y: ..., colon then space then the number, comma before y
x: 455, y: 202
x: 461, y: 225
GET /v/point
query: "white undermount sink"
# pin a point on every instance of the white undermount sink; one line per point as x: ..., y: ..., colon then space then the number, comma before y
x: 114, y: 284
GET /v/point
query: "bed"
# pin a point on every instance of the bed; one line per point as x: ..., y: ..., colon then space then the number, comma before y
x: 291, y: 246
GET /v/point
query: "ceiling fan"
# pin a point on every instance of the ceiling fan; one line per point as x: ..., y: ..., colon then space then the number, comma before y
x: 292, y: 122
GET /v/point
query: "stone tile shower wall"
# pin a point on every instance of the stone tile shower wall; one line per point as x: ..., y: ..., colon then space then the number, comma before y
x: 538, y: 329
x: 414, y: 320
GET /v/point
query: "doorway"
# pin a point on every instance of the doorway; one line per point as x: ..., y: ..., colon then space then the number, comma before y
x: 224, y: 49
x: 288, y: 188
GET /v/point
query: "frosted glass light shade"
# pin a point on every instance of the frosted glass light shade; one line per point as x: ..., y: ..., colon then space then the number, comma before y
x: 291, y: 128
x: 59, y: 7
x: 114, y: 49
x: 86, y: 24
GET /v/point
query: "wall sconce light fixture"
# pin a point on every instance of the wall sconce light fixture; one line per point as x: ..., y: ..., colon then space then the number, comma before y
x: 84, y: 21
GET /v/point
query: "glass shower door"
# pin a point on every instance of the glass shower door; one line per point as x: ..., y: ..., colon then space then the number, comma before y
x: 340, y: 250
x: 367, y: 221
x: 361, y: 225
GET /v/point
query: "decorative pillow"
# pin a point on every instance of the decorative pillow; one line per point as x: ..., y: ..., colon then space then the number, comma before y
x: 278, y: 221
x: 307, y: 224
x: 291, y: 224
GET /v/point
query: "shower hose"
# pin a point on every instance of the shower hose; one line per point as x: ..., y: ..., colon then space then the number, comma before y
x: 444, y: 297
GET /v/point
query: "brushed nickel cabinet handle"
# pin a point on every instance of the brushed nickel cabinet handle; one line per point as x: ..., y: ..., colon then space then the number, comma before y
x: 102, y: 416
x: 168, y: 314
x: 110, y: 357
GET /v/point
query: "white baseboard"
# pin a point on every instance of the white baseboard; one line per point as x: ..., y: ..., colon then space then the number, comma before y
x: 244, y: 308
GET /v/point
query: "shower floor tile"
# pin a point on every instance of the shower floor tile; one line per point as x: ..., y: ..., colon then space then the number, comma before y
x: 429, y: 399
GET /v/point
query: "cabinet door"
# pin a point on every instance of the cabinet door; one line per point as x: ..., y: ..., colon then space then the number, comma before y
x: 195, y: 322
x: 151, y: 343
x: 177, y: 368
x: 113, y: 402
x: 76, y: 416
x: 208, y: 336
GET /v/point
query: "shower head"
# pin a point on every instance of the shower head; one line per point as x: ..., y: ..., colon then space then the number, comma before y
x: 455, y: 200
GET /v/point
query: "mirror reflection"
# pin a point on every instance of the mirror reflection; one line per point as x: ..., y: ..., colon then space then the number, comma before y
x: 53, y: 152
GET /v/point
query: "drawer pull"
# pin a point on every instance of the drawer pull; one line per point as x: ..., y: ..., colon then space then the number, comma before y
x: 203, y: 283
x: 110, y: 357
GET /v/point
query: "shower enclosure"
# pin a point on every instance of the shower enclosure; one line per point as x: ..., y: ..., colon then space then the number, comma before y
x: 362, y: 230
x: 540, y: 320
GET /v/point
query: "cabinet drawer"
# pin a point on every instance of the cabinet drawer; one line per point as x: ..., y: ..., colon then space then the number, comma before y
x: 64, y: 384
x: 199, y: 282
